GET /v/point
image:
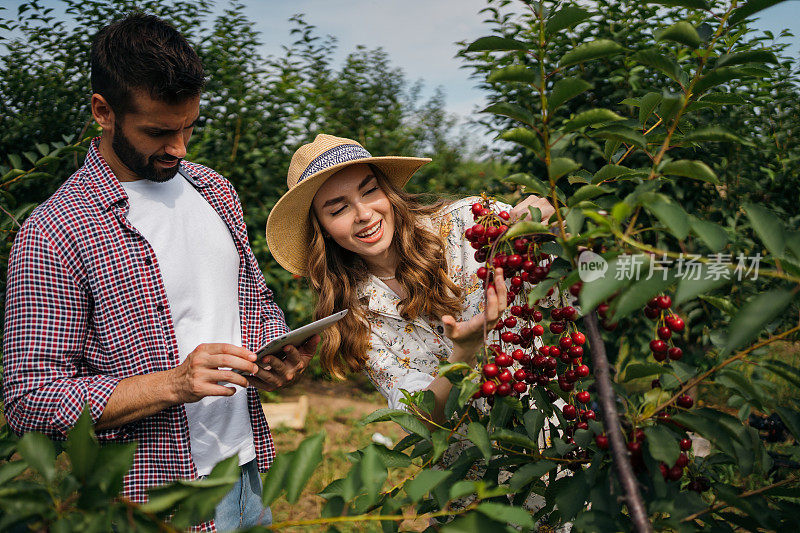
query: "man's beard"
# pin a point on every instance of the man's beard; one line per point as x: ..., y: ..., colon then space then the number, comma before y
x: 137, y: 162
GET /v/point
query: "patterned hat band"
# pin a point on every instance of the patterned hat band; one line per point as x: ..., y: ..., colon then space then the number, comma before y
x: 336, y: 155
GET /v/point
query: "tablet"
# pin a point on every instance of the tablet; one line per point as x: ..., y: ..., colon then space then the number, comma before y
x: 296, y: 337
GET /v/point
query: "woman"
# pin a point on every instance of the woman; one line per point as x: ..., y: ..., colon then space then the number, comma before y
x: 402, y: 268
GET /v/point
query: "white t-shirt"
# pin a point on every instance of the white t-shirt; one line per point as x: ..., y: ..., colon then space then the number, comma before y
x: 200, y: 267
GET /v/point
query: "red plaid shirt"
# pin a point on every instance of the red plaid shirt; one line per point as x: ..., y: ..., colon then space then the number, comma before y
x: 86, y: 307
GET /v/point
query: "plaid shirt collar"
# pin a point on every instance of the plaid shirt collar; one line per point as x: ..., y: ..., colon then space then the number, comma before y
x: 106, y: 186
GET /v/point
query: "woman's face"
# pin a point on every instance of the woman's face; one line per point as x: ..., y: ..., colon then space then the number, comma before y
x: 353, y: 209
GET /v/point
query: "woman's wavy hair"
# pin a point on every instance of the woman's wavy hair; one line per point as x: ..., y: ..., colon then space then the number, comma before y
x: 336, y: 274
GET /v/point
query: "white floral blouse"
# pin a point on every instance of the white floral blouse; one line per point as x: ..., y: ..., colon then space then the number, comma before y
x: 406, y: 354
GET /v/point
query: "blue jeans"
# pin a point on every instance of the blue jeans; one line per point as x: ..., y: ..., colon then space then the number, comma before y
x: 242, y: 507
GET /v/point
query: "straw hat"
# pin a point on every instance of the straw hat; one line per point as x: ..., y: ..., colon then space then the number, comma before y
x: 289, y: 225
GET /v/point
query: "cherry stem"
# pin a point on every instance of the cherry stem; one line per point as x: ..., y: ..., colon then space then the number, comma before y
x: 606, y: 395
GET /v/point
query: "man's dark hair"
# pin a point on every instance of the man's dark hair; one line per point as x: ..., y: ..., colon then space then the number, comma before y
x: 144, y: 53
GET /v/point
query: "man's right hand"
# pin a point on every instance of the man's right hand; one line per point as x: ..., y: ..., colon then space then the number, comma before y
x: 202, y: 370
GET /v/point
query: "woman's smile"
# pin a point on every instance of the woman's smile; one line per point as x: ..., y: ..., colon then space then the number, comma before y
x: 371, y: 233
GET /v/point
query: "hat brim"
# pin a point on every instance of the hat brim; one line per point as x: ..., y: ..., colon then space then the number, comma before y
x: 289, y: 224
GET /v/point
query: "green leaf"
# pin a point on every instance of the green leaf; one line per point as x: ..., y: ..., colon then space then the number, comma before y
x: 690, y: 169
x: 570, y: 494
x: 530, y: 182
x: 713, y: 134
x: 681, y: 32
x: 424, y: 482
x: 514, y: 438
x: 560, y: 166
x: 691, y: 4
x: 513, y: 111
x: 596, y: 291
x: 393, y: 458
x: 9, y: 471
x: 700, y: 281
x: 495, y: 43
x: 475, y: 522
x: 754, y: 315
x: 722, y: 304
x: 515, y: 73
x: 565, y: 89
x: 40, y: 454
x: 116, y: 460
x: 15, y: 160
x: 768, y: 228
x: 750, y: 8
x: 305, y: 459
x: 587, y: 192
x: 620, y: 133
x: 81, y: 446
x: 566, y: 17
x: 791, y: 420
x: 643, y: 370
x: 663, y: 446
x: 468, y: 388
x: 373, y: 471
x: 640, y: 292
x: 589, y: 118
x: 670, y: 214
x: 786, y: 371
x: 440, y: 440
x: 524, y: 227
x: 751, y: 56
x: 670, y: 105
x: 723, y: 99
x: 712, y: 235
x: 524, y: 137
x: 406, y: 420
x: 540, y: 290
x: 534, y: 422
x: 609, y: 172
x: 591, y: 50
x: 477, y: 433
x: 530, y: 472
x: 451, y: 368
x: 648, y: 104
x: 661, y: 62
x: 505, y: 513
x: 718, y: 76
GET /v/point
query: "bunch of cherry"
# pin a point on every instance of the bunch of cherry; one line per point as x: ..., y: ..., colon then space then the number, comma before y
x: 515, y: 363
x: 663, y: 347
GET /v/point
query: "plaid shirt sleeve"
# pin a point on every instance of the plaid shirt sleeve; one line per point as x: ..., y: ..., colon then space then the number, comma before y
x: 46, y: 382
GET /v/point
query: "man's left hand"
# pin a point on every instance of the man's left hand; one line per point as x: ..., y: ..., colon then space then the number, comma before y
x: 520, y: 211
x: 276, y: 373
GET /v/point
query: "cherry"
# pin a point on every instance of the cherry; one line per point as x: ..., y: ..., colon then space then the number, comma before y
x: 664, y: 333
x: 570, y: 376
x: 652, y: 312
x: 659, y: 356
x: 664, y: 470
x: 589, y: 415
x: 499, y: 326
x: 480, y: 255
x: 537, y: 316
x: 686, y: 444
x: 492, y: 233
x: 516, y: 281
x: 490, y: 370
x: 602, y: 310
x: 517, y: 355
x: 528, y: 266
x: 483, y: 273
x: 653, y: 302
x: 638, y: 435
x: 657, y: 345
x: 510, y: 322
x: 507, y: 336
x: 485, y: 212
x: 581, y: 425
x: 578, y: 338
x: 664, y: 301
x: 675, y: 473
x: 555, y: 351
x: 685, y: 401
x: 582, y: 371
x: 675, y: 323
x: 521, y: 245
x: 539, y: 272
x: 520, y: 374
x: 575, y: 289
x: 476, y: 209
x: 514, y: 261
x: 565, y: 385
x: 601, y: 441
x: 516, y: 310
x: 569, y: 313
x: 503, y: 359
x: 488, y: 388
x: 478, y: 230
x: 555, y: 313
x: 635, y: 448
x: 504, y: 215
x: 569, y: 412
x: 504, y: 389
x: 682, y: 460
x: 552, y: 396
x: 520, y: 387
x: 557, y: 328
x: 584, y: 397
x: 565, y: 342
x: 576, y: 352
x: 538, y: 330
x: 675, y: 353
x: 608, y: 326
x: 550, y: 362
x: 539, y: 361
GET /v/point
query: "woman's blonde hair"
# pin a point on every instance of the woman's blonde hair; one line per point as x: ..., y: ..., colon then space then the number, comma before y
x: 336, y: 274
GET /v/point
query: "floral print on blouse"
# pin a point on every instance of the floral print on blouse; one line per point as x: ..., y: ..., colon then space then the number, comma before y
x: 406, y: 354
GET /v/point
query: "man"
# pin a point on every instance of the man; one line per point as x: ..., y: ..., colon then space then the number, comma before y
x: 134, y: 290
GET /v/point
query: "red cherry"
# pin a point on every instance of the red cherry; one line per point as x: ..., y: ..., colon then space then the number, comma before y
x: 583, y: 396
x: 582, y: 371
x: 675, y: 353
x: 635, y: 448
x: 664, y: 301
x: 664, y: 470
x: 565, y: 385
x: 504, y: 376
x: 517, y: 338
x: 476, y: 209
x: 581, y: 425
x: 516, y: 310
x: 652, y: 312
x: 520, y: 387
x: 483, y: 273
x: 550, y: 362
x: 478, y: 230
x: 485, y: 211
x: 537, y: 316
x: 510, y: 322
x: 517, y: 355
x: 555, y: 313
x: 504, y: 215
x: 488, y: 388
x: 520, y: 374
x: 538, y: 330
x: 659, y: 356
x: 675, y: 323
x: 685, y: 401
x: 504, y: 389
x: 569, y: 313
x: 516, y: 281
x: 682, y: 461
x: 544, y: 350
x: 503, y: 359
x: 608, y: 326
x: 664, y: 333
x: 638, y: 435
x: 675, y: 473
x: 528, y: 266
x: 507, y: 336
x: 521, y: 245
x: 557, y: 328
x: 601, y: 441
x: 575, y: 289
x: 555, y: 351
x: 569, y: 412
x: 570, y: 376
x: 565, y: 342
x: 578, y: 338
x: 653, y: 302
x: 576, y: 351
x: 657, y: 345
x: 499, y: 326
x: 602, y: 310
x: 686, y: 444
x: 514, y: 261
x: 539, y: 361
x: 490, y: 370
x: 589, y: 415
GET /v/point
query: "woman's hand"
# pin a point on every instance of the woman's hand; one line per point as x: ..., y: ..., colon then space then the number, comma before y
x: 467, y: 336
x: 520, y: 211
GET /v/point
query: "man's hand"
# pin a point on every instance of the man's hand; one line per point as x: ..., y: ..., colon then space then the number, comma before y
x: 277, y: 372
x: 520, y: 211
x: 202, y: 370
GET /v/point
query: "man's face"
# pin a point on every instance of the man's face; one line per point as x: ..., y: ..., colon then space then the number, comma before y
x: 151, y: 139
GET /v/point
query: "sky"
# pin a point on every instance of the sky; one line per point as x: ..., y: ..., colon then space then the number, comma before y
x: 419, y: 35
